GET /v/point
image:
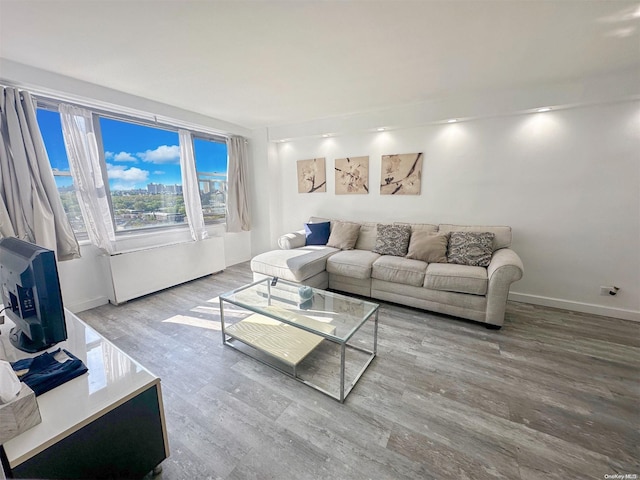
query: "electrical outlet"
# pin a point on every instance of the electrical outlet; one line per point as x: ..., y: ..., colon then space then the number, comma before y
x: 608, y: 290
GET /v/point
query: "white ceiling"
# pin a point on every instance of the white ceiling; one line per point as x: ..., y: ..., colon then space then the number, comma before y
x: 268, y: 63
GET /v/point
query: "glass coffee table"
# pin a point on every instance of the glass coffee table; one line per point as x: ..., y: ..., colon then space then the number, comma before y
x: 323, y: 339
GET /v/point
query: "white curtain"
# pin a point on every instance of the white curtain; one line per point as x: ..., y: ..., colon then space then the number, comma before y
x: 191, y: 188
x: 238, y: 218
x: 84, y: 162
x: 30, y: 205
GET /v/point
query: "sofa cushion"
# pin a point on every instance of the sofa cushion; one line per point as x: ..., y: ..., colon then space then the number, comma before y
x: 428, y: 247
x: 399, y: 270
x: 352, y: 263
x: 392, y: 239
x: 429, y: 227
x: 295, y: 265
x: 449, y: 277
x: 470, y: 248
x: 343, y: 235
x: 367, y: 236
x: 317, y: 233
x: 502, y: 237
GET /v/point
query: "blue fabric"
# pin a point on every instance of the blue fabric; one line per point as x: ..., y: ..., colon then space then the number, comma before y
x: 45, y: 371
x: 317, y: 233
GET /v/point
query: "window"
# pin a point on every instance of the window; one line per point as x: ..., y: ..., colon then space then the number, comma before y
x: 141, y: 161
x: 51, y: 129
x: 211, y: 167
x: 143, y: 168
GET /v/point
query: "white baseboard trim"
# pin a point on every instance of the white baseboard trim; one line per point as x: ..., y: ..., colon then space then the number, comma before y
x: 88, y: 304
x: 576, y: 306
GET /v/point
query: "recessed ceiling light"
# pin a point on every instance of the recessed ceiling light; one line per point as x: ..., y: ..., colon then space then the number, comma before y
x: 543, y: 109
x: 325, y: 135
x: 380, y: 129
x: 452, y: 120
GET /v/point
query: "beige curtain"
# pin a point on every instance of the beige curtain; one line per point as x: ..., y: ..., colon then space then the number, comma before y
x: 30, y: 206
x: 238, y: 217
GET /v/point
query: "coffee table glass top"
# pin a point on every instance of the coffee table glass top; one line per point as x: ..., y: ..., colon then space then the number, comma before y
x: 332, y: 315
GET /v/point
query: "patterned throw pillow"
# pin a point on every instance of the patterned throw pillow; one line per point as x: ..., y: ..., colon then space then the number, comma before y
x: 392, y: 239
x: 470, y: 248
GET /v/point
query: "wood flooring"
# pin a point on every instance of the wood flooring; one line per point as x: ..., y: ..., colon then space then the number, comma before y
x: 554, y: 394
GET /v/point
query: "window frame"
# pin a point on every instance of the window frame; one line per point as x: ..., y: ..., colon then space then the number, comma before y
x: 103, y: 166
x: 217, y: 139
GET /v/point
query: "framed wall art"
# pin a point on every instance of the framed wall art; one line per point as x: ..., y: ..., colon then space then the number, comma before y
x: 352, y: 175
x: 401, y: 174
x: 312, y: 176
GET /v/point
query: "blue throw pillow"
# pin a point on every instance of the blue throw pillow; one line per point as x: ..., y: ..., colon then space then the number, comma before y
x: 317, y: 233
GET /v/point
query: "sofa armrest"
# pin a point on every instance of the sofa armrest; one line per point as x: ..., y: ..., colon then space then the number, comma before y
x: 504, y: 269
x: 506, y: 264
x: 292, y: 240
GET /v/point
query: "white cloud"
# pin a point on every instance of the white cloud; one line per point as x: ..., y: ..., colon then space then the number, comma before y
x: 130, y: 175
x: 108, y: 155
x: 162, y: 154
x: 159, y: 172
x: 124, y: 157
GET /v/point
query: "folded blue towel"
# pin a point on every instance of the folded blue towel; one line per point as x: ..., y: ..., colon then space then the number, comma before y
x: 48, y: 370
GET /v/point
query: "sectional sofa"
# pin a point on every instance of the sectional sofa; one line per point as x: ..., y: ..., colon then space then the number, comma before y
x: 460, y: 270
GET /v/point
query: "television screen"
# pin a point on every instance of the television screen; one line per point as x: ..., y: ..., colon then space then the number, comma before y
x: 31, y: 295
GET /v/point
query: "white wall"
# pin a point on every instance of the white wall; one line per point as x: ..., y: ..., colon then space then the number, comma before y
x: 84, y: 281
x: 567, y: 181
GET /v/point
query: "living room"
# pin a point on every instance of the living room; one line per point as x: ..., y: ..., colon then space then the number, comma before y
x: 566, y: 180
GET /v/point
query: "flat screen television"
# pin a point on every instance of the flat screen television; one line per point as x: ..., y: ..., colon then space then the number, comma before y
x: 31, y: 295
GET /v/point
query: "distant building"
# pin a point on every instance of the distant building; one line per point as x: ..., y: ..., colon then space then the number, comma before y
x: 159, y: 189
x: 154, y: 188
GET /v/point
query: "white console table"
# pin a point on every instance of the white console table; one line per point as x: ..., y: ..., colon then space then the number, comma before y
x: 107, y: 423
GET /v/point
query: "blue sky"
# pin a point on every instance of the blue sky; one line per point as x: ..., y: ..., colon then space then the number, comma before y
x: 136, y: 155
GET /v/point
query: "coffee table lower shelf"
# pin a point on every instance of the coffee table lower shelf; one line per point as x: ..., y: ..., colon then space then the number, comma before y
x: 289, y: 346
x: 279, y: 340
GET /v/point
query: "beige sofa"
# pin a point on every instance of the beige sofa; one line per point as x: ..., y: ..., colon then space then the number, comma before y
x: 473, y: 292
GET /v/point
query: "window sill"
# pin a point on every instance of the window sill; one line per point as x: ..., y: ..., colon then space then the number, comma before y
x: 157, y: 237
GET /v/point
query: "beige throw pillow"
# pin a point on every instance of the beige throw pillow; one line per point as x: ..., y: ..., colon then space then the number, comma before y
x: 428, y: 247
x: 344, y: 235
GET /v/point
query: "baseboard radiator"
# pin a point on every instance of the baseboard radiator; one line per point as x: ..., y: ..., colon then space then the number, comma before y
x: 140, y: 272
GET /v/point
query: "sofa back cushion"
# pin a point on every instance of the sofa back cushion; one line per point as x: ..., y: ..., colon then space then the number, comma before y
x: 502, y: 234
x: 427, y: 227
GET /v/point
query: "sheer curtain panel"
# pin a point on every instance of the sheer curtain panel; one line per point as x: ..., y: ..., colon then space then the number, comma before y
x: 30, y: 208
x: 84, y: 163
x: 238, y: 218
x: 191, y: 187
